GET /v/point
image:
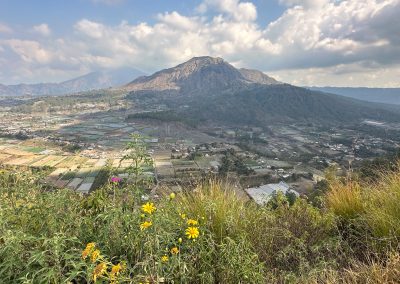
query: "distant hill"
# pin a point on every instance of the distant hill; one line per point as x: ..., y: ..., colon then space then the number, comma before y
x: 377, y: 95
x: 90, y: 81
x: 210, y: 90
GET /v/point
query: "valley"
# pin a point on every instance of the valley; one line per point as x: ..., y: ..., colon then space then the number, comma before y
x: 78, y: 136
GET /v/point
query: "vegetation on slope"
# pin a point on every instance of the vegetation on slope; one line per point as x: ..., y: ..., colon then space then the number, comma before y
x: 208, y: 235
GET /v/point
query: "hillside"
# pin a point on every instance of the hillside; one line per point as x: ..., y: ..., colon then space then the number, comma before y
x: 345, y: 232
x: 210, y: 90
x: 285, y: 103
x: 90, y: 81
x: 377, y: 95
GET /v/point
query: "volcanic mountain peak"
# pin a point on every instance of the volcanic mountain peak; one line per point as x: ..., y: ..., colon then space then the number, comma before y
x: 203, y: 73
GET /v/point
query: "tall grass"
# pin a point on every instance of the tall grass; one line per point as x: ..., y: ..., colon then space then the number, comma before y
x: 225, y: 213
x: 344, y: 199
x: 382, y: 203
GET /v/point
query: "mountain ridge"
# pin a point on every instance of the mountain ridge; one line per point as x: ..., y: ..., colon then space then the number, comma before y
x: 210, y: 90
x: 90, y: 81
x: 376, y: 95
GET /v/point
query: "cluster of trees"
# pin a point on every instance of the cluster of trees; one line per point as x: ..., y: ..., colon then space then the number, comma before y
x: 231, y: 162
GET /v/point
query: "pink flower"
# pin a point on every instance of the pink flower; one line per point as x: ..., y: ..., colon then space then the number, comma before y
x: 116, y: 179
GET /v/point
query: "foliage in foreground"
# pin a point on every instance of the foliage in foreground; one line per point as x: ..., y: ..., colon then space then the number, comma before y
x: 209, y: 235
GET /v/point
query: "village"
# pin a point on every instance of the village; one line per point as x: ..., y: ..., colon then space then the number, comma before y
x: 77, y: 144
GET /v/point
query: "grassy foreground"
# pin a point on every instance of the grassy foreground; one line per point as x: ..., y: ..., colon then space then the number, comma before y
x: 206, y: 236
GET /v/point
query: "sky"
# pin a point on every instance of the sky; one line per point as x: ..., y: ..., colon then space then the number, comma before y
x: 302, y: 42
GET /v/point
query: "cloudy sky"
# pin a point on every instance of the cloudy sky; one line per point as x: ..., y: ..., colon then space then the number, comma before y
x: 304, y: 42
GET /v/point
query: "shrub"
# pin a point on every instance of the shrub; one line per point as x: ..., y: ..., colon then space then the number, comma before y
x: 294, y: 240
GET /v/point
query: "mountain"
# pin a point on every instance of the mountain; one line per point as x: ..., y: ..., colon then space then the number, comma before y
x: 377, y: 95
x: 211, y: 91
x: 200, y: 74
x: 256, y: 76
x: 91, y: 81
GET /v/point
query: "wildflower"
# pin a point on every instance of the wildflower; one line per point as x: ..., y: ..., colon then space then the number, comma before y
x: 164, y: 258
x: 85, y: 253
x: 192, y: 232
x: 145, y: 225
x: 183, y: 215
x: 87, y: 250
x: 148, y: 208
x: 192, y: 222
x: 99, y: 270
x: 174, y: 250
x: 180, y: 240
x: 95, y: 255
x: 116, y: 269
x: 116, y: 179
x: 172, y: 196
x: 90, y: 246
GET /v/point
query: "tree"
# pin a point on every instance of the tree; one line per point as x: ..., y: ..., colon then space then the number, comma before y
x: 137, y: 155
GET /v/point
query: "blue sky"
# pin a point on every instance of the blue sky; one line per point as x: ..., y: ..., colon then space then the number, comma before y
x: 304, y: 42
x: 27, y: 13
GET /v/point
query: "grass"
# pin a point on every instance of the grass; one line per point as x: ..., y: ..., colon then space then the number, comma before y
x: 345, y: 199
x: 44, y: 235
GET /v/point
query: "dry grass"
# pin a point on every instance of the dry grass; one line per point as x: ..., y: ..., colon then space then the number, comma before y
x: 382, y: 206
x: 345, y: 199
x: 223, y: 210
x: 373, y: 272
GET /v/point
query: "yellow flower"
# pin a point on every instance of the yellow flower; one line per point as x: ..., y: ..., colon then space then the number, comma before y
x: 183, y: 216
x: 192, y: 232
x: 95, y: 255
x: 100, y: 269
x: 88, y: 250
x: 116, y: 269
x: 174, y: 250
x: 164, y: 258
x: 148, y: 208
x: 180, y: 240
x: 90, y: 246
x: 192, y: 222
x: 85, y: 253
x: 145, y: 225
x: 172, y: 196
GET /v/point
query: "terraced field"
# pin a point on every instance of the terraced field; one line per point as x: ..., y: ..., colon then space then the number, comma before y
x: 71, y: 171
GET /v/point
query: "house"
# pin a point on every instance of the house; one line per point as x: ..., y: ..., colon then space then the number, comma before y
x: 262, y: 194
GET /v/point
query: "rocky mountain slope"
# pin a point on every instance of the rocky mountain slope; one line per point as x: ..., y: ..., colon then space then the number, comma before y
x: 200, y: 74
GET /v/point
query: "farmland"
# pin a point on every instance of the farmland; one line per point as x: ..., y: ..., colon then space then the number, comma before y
x: 65, y: 170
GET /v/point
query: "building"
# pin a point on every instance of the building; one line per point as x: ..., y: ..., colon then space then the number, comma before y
x: 262, y: 194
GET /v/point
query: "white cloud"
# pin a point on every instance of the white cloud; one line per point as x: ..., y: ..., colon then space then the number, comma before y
x: 342, y: 75
x: 307, y: 4
x: 89, y: 28
x: 5, y: 29
x: 239, y: 11
x: 312, y: 38
x: 29, y: 51
x: 42, y: 29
